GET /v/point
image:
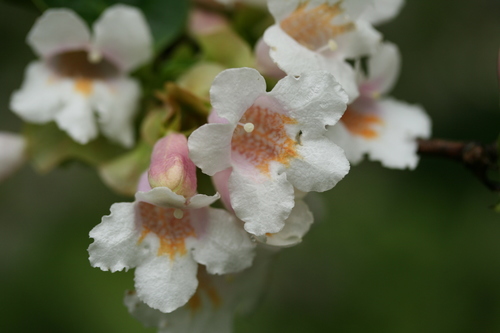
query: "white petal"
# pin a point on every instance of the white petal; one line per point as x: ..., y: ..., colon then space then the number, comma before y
x: 123, y: 34
x: 166, y: 284
x: 201, y: 200
x: 345, y: 75
x: 359, y: 42
x: 352, y: 146
x: 210, y: 147
x: 12, y: 153
x: 149, y: 317
x: 58, y: 30
x: 382, y: 11
x: 321, y: 165
x: 262, y: 202
x: 296, y: 226
x: 224, y: 247
x: 116, y: 104
x: 40, y: 96
x: 76, y: 118
x: 383, y: 68
x: 314, y: 99
x: 115, y: 244
x: 234, y: 91
x: 281, y: 9
x: 162, y: 197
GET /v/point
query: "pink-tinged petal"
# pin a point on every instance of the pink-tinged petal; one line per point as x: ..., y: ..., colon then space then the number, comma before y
x: 213, y: 118
x: 210, y: 147
x: 314, y: 100
x: 12, y: 153
x: 263, y: 202
x: 115, y: 245
x: 166, y: 284
x: 122, y: 34
x: 201, y: 200
x: 224, y: 247
x: 202, y: 22
x: 221, y: 182
x: 383, y: 70
x: 162, y: 197
x: 58, y: 30
x: 382, y: 11
x: 40, y: 96
x: 143, y: 185
x: 171, y: 166
x: 322, y: 164
x: 265, y: 64
x: 115, y: 102
x: 345, y: 75
x: 296, y: 226
x: 361, y: 41
x: 234, y: 91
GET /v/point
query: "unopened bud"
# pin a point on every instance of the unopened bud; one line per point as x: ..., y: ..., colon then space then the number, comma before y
x: 171, y: 166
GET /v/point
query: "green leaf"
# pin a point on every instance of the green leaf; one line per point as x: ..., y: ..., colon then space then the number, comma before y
x: 123, y: 173
x: 166, y: 18
x: 48, y: 147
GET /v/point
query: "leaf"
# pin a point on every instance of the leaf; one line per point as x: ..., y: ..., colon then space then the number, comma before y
x: 166, y: 18
x: 123, y: 173
x: 48, y: 147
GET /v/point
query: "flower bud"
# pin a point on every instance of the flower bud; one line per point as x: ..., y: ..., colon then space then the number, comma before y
x: 171, y: 166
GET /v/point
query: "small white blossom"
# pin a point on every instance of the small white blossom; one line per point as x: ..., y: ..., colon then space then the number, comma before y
x: 12, y: 153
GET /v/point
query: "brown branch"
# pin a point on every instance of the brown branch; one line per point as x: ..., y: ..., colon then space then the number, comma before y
x: 477, y: 157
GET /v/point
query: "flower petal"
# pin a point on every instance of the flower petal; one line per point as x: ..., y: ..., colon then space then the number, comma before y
x: 162, y: 197
x: 40, y: 96
x: 12, y: 153
x: 262, y: 202
x: 322, y: 164
x: 210, y: 147
x: 123, y: 34
x: 382, y: 11
x: 115, y: 240
x: 116, y: 104
x: 359, y: 42
x: 234, y: 91
x: 57, y: 30
x: 296, y: 226
x: 166, y: 284
x: 384, y: 68
x: 201, y: 200
x: 76, y: 118
x: 315, y: 99
x: 224, y: 247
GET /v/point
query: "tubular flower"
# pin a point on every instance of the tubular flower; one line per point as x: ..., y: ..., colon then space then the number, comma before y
x: 165, y: 236
x: 273, y: 141
x: 80, y: 74
x: 12, y: 153
x: 383, y: 128
x: 320, y: 35
x: 212, y: 308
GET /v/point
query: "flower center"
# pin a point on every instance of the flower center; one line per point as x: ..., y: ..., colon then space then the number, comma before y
x: 263, y: 138
x: 83, y: 65
x: 313, y: 27
x: 361, y: 124
x: 171, y: 225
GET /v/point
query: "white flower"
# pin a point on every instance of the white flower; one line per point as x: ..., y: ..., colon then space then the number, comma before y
x: 80, y: 74
x: 165, y: 236
x: 273, y: 141
x: 320, y: 35
x: 12, y: 153
x: 213, y: 306
x: 383, y: 128
x: 381, y: 11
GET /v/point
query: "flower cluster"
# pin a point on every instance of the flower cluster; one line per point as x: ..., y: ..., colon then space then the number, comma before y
x: 265, y: 136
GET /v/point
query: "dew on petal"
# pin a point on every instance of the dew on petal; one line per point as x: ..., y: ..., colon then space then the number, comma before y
x: 361, y: 124
x: 268, y: 141
x: 313, y: 27
x: 171, y: 227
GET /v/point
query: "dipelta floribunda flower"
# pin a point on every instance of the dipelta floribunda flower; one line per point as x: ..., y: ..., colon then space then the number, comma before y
x: 165, y: 235
x: 273, y: 141
x: 81, y: 81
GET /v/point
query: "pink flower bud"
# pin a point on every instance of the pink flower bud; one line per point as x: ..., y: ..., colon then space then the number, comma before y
x: 171, y: 166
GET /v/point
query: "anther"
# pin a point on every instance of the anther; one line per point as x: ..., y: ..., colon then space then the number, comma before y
x: 94, y: 56
x: 178, y: 213
x: 248, y: 127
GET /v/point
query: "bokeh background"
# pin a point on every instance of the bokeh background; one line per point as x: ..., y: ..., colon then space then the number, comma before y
x: 391, y: 251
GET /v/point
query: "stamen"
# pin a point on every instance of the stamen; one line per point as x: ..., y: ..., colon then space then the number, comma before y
x: 248, y: 127
x: 330, y: 46
x: 178, y: 213
x: 94, y: 56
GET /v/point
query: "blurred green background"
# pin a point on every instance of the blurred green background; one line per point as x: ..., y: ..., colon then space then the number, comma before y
x: 391, y: 251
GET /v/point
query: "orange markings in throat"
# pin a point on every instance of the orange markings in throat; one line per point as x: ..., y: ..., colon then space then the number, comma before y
x: 313, y: 27
x: 269, y: 140
x: 361, y: 124
x: 83, y: 86
x: 171, y: 227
